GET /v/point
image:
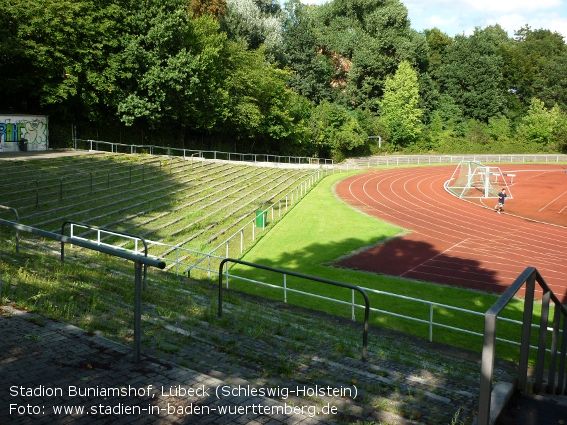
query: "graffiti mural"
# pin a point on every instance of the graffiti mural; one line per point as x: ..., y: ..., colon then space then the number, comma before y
x: 15, y: 128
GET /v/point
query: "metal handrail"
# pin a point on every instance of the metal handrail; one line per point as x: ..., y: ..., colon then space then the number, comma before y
x: 302, y: 276
x: 108, y: 231
x: 181, y: 252
x: 215, y: 155
x: 402, y: 160
x: 529, y: 277
x: 15, y: 211
x: 139, y: 261
x: 28, y: 182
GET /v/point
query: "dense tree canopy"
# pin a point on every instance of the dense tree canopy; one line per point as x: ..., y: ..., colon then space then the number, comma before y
x: 312, y: 71
x: 368, y: 38
x: 471, y: 74
x: 282, y: 77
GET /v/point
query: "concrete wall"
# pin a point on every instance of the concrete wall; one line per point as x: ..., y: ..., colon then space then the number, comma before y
x: 33, y: 128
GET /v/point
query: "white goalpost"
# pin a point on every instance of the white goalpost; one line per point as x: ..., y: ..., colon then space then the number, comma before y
x: 472, y: 179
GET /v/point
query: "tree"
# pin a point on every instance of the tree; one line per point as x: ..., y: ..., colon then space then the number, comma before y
x: 169, y: 67
x: 255, y: 23
x: 373, y: 37
x: 262, y: 113
x: 313, y: 71
x: 542, y: 125
x: 216, y: 8
x: 399, y: 106
x: 438, y: 43
x: 429, y: 96
x: 56, y: 54
x: 524, y: 59
x: 335, y: 130
x: 472, y: 75
x: 551, y: 83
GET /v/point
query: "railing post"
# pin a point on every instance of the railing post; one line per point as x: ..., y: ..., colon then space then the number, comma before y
x: 352, y: 315
x: 36, y: 193
x: 430, y: 322
x: 176, y: 261
x: 561, y: 385
x: 226, y: 277
x: 526, y: 333
x: 541, y: 351
x: 137, y: 310
x: 486, y: 370
x: 137, y: 259
x: 551, y: 388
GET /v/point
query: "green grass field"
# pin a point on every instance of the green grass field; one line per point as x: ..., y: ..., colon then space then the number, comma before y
x: 321, y: 229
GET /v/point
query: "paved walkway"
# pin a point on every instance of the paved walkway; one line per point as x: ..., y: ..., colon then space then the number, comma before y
x: 57, y: 153
x: 46, y: 366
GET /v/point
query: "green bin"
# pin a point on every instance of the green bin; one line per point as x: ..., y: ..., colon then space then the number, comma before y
x: 261, y: 216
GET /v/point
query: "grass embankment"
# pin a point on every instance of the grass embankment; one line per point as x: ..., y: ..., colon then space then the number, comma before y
x: 321, y: 229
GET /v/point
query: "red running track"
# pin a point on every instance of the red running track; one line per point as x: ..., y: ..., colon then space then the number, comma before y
x: 459, y: 243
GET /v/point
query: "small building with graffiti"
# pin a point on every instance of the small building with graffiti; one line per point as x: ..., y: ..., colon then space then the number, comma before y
x: 23, y: 132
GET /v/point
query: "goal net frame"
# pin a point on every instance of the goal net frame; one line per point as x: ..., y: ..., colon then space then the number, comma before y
x: 472, y: 179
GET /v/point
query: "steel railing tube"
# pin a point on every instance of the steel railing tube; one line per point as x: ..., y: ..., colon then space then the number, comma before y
x: 302, y: 276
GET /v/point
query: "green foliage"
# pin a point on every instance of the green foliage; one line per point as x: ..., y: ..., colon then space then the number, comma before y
x: 169, y: 68
x: 255, y: 23
x: 58, y: 51
x: 429, y: 96
x: 247, y: 75
x: 532, y: 56
x: 542, y: 125
x: 312, y: 70
x: 399, y: 107
x: 551, y: 83
x: 471, y: 74
x: 261, y: 112
x: 438, y: 43
x: 499, y: 128
x: 335, y: 130
x: 368, y: 39
x: 477, y: 132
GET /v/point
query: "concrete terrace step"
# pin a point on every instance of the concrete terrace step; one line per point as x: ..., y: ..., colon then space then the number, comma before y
x: 266, y: 343
x: 403, y: 381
